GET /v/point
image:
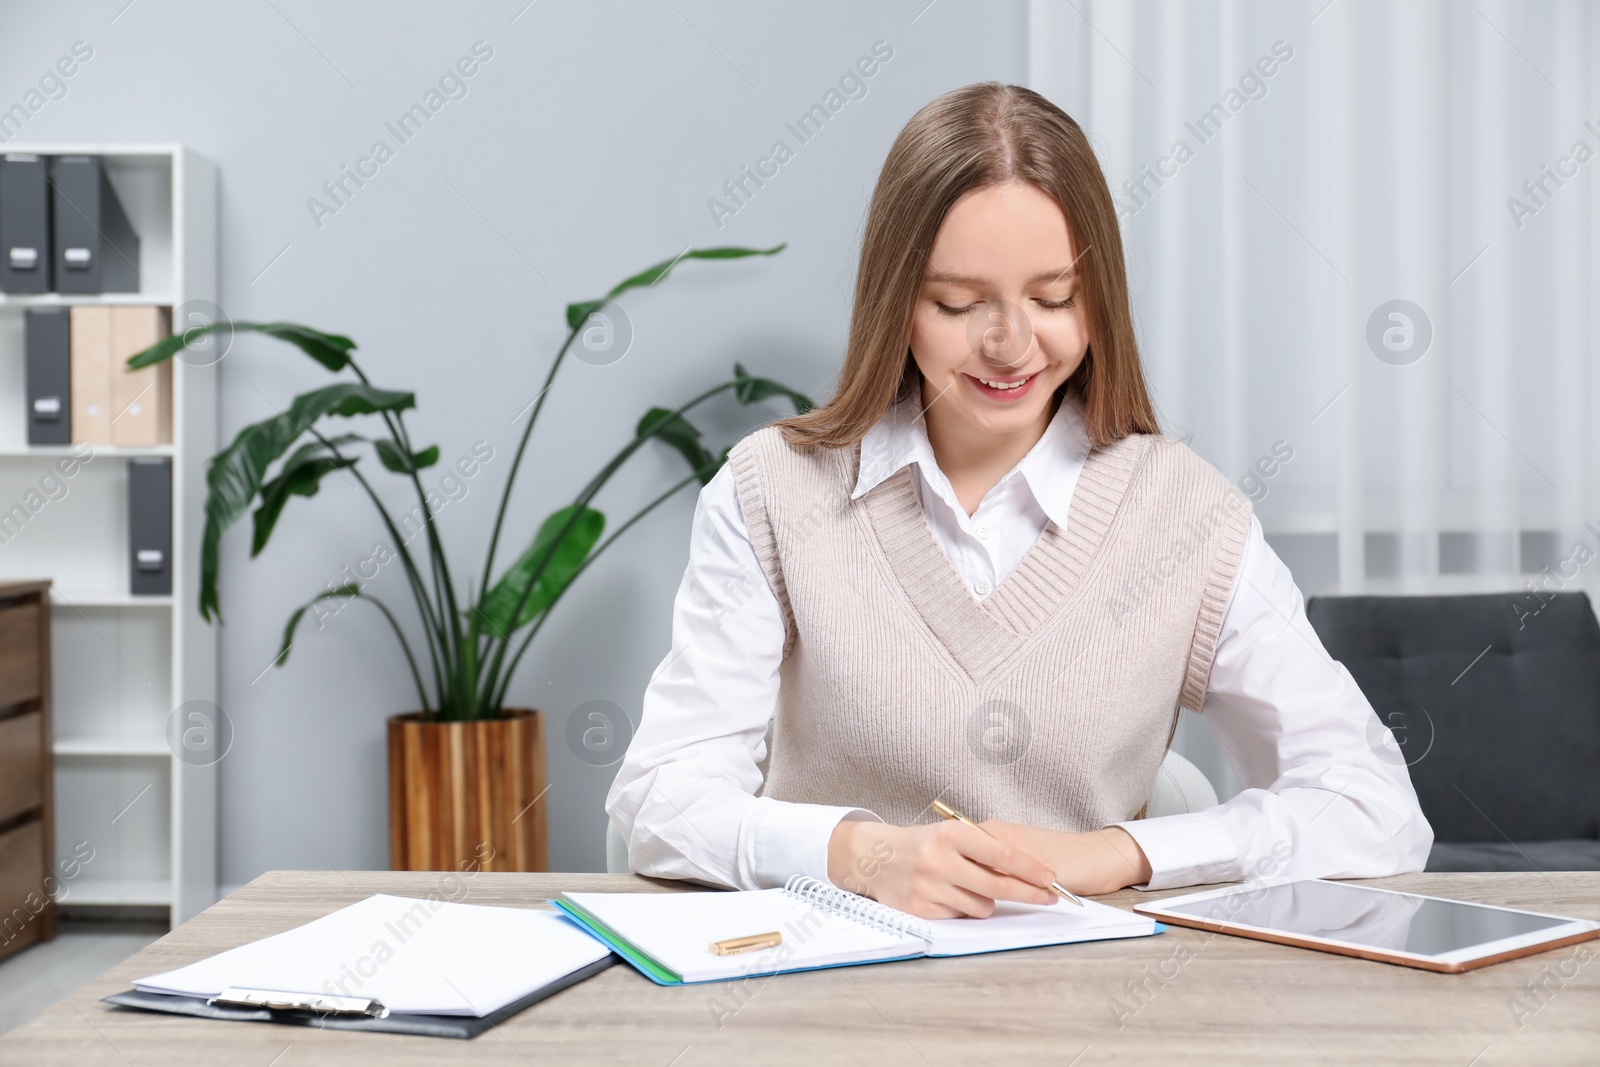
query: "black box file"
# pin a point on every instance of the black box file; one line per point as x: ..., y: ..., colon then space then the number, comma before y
x: 48, y: 357
x: 24, y: 224
x: 96, y: 250
x: 150, y: 527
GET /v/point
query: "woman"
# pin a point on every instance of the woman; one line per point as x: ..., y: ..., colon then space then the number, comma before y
x: 979, y: 573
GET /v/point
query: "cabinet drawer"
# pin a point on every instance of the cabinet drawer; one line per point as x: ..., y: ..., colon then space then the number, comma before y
x: 19, y: 653
x: 20, y: 757
x: 22, y: 888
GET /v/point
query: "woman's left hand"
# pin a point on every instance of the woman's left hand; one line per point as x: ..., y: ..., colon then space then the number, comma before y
x: 1099, y: 861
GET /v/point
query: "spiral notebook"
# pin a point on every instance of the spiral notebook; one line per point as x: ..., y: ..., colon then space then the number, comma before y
x: 668, y: 936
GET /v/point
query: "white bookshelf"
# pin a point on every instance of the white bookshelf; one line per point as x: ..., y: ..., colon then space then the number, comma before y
x: 123, y: 663
x: 60, y: 300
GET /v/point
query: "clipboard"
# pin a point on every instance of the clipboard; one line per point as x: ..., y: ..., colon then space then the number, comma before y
x: 457, y: 1026
x: 387, y: 963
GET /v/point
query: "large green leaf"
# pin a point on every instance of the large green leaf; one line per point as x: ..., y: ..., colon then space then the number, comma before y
x: 328, y: 349
x: 395, y: 458
x: 676, y: 431
x: 300, y: 475
x: 345, y: 399
x: 235, y: 475
x: 576, y: 313
x: 344, y: 591
x: 564, y: 561
x: 750, y: 389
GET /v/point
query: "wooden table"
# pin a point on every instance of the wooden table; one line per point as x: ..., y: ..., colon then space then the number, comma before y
x: 1185, y: 997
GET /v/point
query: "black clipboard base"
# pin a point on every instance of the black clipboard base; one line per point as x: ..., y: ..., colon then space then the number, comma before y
x: 458, y: 1026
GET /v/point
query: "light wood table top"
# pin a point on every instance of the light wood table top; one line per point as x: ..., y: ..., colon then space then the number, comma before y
x: 1205, y: 998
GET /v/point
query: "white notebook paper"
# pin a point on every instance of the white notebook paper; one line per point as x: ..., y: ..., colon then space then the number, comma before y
x: 418, y: 957
x: 822, y: 926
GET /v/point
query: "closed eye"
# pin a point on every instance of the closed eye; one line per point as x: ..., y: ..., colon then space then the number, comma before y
x: 1057, y: 305
x: 946, y: 309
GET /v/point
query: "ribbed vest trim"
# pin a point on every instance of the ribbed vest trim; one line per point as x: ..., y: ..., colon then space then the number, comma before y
x: 981, y: 635
x: 1213, y: 610
x: 1043, y: 703
x: 1040, y: 584
x: 750, y: 488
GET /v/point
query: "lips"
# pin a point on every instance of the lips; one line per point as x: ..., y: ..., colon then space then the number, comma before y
x: 1009, y: 390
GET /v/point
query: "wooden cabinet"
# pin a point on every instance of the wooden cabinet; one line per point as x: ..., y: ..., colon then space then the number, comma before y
x: 22, y: 765
x: 27, y: 907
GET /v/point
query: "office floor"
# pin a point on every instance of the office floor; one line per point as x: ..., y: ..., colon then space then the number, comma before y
x: 37, y: 977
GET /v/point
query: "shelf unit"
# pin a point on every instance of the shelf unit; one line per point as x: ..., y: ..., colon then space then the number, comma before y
x: 60, y: 300
x: 59, y: 451
x: 124, y: 664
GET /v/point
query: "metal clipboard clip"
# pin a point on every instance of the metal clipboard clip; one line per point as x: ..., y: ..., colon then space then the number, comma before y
x: 324, y: 1005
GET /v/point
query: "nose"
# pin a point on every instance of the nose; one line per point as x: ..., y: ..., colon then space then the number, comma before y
x: 1002, y: 335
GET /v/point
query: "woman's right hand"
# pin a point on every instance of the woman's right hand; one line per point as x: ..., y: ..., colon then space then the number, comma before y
x: 943, y: 870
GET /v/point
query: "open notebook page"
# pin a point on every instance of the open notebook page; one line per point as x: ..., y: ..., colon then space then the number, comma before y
x: 677, y: 929
x: 1015, y: 925
x: 415, y: 956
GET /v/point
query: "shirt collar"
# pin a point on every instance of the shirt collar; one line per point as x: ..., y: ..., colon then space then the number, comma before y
x: 1050, y: 469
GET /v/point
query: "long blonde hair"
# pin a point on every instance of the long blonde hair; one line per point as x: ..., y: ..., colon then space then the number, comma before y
x: 979, y: 135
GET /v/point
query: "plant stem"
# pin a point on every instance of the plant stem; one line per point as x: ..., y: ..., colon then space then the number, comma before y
x: 474, y: 630
x: 594, y: 486
x: 505, y: 683
x: 418, y: 590
x: 405, y: 646
x: 443, y: 587
x: 516, y: 461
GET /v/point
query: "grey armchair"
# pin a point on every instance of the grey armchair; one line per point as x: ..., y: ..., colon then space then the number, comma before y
x: 1495, y: 700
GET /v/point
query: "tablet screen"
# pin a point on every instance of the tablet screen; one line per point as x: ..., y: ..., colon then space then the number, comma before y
x: 1360, y: 916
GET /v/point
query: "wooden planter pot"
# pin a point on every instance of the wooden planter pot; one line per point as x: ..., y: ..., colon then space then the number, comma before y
x: 467, y: 795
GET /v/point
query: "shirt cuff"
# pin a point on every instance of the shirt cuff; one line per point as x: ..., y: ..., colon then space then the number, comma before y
x: 786, y: 839
x: 1185, y: 850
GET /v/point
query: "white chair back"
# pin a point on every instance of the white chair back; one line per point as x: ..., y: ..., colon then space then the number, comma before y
x: 1181, y: 787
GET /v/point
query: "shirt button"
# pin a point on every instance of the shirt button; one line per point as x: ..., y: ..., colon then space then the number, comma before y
x: 981, y: 587
x: 983, y: 533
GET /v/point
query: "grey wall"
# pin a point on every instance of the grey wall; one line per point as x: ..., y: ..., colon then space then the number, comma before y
x: 584, y: 149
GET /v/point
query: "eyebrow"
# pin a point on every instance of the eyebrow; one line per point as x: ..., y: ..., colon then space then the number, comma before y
x: 1066, y: 273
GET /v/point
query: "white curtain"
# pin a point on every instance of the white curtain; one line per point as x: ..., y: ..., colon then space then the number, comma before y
x: 1309, y: 193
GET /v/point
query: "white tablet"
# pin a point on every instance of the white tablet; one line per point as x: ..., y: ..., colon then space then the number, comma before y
x: 1432, y: 933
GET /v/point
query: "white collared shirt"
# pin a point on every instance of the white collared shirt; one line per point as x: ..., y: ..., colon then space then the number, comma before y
x: 1319, y: 777
x: 986, y: 545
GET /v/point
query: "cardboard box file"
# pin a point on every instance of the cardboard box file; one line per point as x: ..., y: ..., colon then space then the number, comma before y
x: 149, y: 526
x: 141, y: 400
x: 24, y: 223
x: 47, y: 356
x: 91, y: 375
x: 96, y: 248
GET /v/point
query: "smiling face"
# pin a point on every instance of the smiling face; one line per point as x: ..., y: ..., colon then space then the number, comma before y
x: 999, y: 321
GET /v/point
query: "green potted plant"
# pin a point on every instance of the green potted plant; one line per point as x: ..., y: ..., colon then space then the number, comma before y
x: 464, y: 768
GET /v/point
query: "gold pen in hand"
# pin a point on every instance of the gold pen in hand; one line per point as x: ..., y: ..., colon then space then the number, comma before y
x: 951, y: 813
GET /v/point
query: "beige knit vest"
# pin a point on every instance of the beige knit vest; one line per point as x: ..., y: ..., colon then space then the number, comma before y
x: 1052, y: 701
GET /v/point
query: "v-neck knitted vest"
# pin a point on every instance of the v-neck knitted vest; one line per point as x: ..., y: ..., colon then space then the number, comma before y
x: 1052, y: 701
